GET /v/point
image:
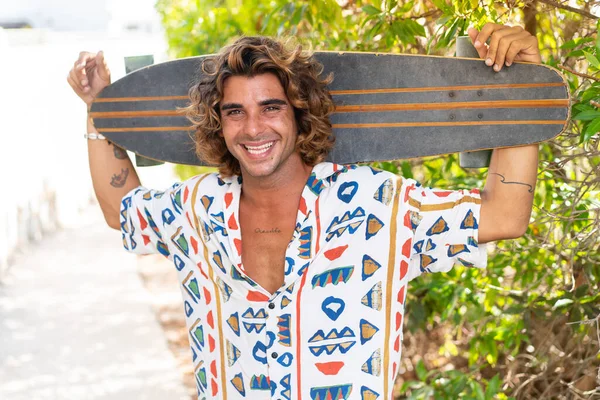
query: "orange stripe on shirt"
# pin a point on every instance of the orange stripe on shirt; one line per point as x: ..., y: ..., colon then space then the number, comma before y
x: 298, y: 309
x: 298, y: 336
x: 216, y: 291
x: 442, y: 206
x: 389, y: 285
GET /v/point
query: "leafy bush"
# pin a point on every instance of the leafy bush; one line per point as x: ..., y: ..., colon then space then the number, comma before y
x: 527, y: 326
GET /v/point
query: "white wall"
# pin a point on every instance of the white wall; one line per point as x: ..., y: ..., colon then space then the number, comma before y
x: 44, y: 177
x: 83, y: 15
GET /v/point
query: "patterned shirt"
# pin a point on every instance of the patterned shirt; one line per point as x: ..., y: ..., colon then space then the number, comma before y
x: 334, y: 328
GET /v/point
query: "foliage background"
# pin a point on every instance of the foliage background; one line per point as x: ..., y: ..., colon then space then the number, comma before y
x: 527, y: 326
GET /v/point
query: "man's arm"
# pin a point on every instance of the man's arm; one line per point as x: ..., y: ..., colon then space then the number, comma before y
x: 507, y: 197
x: 112, y: 172
x: 113, y: 176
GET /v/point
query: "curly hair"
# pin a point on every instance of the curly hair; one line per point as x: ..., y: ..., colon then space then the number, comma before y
x: 299, y: 74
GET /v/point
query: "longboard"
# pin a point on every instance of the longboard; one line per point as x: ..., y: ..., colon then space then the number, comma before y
x: 388, y: 107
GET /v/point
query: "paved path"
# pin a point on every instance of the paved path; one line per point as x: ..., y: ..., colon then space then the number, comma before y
x: 75, y: 323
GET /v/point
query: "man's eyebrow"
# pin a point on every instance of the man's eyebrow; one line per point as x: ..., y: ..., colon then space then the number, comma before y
x: 269, y: 102
x: 229, y: 106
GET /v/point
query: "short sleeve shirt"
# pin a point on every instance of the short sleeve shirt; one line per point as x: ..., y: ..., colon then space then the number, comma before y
x: 334, y: 328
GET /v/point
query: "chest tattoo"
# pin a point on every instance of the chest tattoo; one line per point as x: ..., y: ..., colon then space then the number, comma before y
x: 272, y: 230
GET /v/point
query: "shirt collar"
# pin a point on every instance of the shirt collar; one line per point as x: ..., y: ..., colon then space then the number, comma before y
x: 322, y: 171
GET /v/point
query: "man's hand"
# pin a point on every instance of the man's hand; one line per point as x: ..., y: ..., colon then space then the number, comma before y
x: 507, y: 198
x: 89, y: 75
x: 507, y: 44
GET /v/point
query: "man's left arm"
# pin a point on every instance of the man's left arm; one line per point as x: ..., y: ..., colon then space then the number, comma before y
x: 507, y: 197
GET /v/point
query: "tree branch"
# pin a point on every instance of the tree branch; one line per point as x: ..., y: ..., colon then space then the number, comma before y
x: 578, y: 73
x: 569, y: 8
x: 430, y: 13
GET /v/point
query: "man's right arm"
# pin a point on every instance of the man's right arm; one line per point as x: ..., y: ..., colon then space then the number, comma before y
x: 113, y: 174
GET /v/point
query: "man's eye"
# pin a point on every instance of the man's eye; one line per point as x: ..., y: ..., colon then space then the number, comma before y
x: 273, y: 108
x: 233, y: 112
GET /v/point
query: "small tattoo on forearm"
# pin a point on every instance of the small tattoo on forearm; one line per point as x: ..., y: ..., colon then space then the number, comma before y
x: 503, y: 180
x: 272, y: 230
x: 119, y: 153
x: 118, y: 180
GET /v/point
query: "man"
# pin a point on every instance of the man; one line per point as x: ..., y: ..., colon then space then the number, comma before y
x: 310, y: 304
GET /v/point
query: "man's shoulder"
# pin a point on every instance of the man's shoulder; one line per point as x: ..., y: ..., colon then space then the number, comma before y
x: 206, y: 184
x: 361, y: 174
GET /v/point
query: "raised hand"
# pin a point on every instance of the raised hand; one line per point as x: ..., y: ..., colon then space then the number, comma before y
x: 507, y: 44
x: 89, y: 75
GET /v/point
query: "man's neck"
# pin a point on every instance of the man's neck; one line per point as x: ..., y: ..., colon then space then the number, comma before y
x: 282, y: 187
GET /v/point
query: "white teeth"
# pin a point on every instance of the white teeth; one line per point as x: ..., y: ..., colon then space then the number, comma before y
x: 258, y: 149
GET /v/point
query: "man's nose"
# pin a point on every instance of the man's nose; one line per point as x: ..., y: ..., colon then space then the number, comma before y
x: 254, y: 125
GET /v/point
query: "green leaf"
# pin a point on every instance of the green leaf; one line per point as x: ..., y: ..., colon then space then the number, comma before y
x: 583, y: 107
x: 375, y: 29
x: 369, y: 9
x: 587, y: 115
x: 562, y: 303
x: 450, y: 34
x: 388, y: 166
x: 399, y: 29
x: 571, y: 44
x: 406, y: 170
x: 581, y: 291
x: 421, y: 370
x: 442, y: 5
x: 492, y: 388
x: 478, y: 391
x: 576, y: 53
x: 589, y: 94
x: 414, y: 27
x: 597, y: 38
x: 298, y: 14
x: 591, y: 130
x: 590, y: 299
x: 492, y: 348
x: 592, y: 59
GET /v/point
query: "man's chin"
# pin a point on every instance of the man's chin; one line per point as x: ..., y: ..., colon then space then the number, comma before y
x: 262, y: 170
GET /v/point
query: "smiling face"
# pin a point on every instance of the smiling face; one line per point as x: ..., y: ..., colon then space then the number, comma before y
x: 259, y: 126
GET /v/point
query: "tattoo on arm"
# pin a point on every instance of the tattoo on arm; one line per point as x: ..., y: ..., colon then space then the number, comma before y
x: 119, y: 153
x: 503, y: 180
x: 118, y: 180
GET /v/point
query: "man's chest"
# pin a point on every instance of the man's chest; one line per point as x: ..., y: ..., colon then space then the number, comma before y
x: 336, y: 320
x: 265, y: 239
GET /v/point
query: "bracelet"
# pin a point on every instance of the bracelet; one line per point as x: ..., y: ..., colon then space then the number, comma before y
x: 94, y: 136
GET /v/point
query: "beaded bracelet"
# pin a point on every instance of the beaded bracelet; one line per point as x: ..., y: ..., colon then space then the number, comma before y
x: 94, y: 136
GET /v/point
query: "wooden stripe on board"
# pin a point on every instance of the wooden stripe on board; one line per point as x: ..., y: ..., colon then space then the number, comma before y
x: 365, y: 91
x: 444, y: 123
x: 136, y: 114
x: 443, y: 88
x: 546, y: 103
x: 345, y: 126
x: 125, y: 99
x: 146, y: 129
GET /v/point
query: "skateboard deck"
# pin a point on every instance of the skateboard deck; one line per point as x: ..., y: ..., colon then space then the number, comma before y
x: 387, y: 107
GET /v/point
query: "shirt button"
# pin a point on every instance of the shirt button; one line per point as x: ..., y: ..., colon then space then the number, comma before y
x: 271, y: 306
x: 274, y: 355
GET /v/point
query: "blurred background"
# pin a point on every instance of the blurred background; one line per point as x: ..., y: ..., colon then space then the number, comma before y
x: 42, y: 120
x: 525, y: 328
